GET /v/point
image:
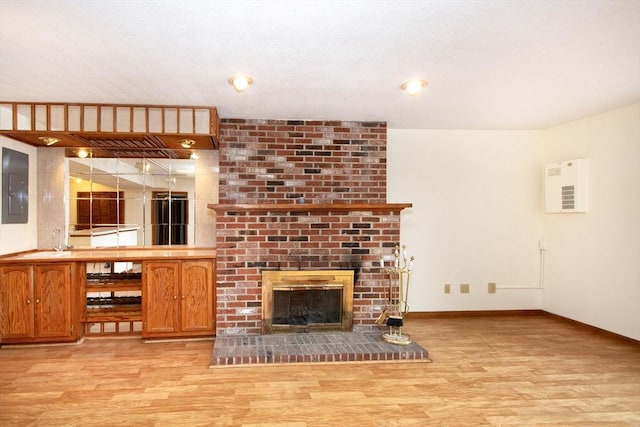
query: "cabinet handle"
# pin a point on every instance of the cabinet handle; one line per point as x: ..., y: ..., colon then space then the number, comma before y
x: 184, y: 297
x: 28, y: 301
x: 37, y: 300
x: 175, y: 297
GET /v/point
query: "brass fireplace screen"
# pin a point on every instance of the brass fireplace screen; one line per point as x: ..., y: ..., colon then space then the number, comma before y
x: 307, y: 300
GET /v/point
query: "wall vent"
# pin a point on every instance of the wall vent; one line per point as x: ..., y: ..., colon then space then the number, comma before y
x: 566, y: 186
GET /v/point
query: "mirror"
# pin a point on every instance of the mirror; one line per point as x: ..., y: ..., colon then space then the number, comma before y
x: 141, y: 201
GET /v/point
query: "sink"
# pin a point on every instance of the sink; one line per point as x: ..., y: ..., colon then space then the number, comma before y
x: 46, y: 254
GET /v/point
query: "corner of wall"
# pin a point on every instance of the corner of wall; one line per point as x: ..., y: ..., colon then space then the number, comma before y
x: 592, y: 266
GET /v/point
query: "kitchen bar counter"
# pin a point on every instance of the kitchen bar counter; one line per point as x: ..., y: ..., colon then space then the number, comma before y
x: 110, y: 254
x: 152, y: 291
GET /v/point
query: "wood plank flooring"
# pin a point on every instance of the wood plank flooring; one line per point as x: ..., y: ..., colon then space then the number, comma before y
x: 522, y: 370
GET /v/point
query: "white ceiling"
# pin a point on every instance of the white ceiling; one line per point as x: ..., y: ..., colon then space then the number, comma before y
x: 512, y: 64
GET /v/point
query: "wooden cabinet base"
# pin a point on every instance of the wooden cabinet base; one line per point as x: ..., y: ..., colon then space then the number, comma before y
x: 35, y: 341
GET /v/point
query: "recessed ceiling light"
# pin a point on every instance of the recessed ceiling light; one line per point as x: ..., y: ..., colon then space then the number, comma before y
x: 186, y: 143
x: 240, y: 82
x: 412, y: 87
x: 49, y: 140
x: 82, y: 153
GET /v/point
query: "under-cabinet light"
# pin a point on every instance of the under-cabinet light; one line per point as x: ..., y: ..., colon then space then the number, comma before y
x: 49, y: 140
x: 186, y: 143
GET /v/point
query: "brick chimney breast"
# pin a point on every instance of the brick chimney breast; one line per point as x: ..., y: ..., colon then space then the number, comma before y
x: 293, y: 162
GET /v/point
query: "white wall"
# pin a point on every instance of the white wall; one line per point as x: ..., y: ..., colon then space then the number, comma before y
x: 592, y: 272
x: 476, y: 215
x: 22, y: 237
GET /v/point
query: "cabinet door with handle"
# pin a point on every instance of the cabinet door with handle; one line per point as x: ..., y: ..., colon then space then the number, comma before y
x: 17, y: 318
x: 53, y: 300
x: 160, y: 298
x: 196, y: 296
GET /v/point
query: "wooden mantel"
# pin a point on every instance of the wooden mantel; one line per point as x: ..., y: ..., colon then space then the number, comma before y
x: 311, y: 207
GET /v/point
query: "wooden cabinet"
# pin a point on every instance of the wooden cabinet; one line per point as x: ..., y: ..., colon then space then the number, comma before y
x: 160, y: 293
x: 197, y: 297
x: 178, y: 298
x: 38, y: 303
x: 17, y: 316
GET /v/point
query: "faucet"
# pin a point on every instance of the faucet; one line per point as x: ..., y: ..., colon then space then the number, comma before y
x: 60, y: 246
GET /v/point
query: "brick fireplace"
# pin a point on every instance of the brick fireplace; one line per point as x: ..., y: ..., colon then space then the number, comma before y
x: 301, y: 195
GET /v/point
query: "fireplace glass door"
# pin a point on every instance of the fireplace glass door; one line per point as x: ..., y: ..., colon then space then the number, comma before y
x: 307, y: 307
x: 306, y: 300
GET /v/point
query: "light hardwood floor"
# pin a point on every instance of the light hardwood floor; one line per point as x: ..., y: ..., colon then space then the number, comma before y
x: 519, y: 370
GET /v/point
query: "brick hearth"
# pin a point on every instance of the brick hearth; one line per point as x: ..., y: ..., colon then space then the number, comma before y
x: 312, y: 348
x: 279, y: 162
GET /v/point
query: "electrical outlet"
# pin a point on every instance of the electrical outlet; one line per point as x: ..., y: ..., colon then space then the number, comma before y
x: 447, y: 288
x: 464, y: 288
x: 491, y: 288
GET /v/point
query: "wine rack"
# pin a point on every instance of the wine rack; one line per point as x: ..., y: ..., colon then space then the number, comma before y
x: 113, y: 299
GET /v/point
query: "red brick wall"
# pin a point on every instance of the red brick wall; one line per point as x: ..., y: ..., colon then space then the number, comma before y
x: 279, y: 161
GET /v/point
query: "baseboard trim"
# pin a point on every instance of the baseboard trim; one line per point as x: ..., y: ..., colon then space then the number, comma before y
x: 533, y: 312
x: 590, y: 328
x: 471, y: 313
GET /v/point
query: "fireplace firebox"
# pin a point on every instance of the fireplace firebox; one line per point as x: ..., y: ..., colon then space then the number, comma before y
x: 295, y: 301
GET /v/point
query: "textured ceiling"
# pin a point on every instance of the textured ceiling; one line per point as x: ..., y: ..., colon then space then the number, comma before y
x: 513, y: 64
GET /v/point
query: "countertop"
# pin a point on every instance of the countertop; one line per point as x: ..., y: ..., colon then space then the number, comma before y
x: 110, y: 254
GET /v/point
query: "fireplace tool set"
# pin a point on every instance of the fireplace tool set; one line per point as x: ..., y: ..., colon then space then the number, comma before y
x: 398, y: 276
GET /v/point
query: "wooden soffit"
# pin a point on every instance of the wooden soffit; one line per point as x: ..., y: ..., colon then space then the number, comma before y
x: 113, y: 130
